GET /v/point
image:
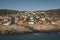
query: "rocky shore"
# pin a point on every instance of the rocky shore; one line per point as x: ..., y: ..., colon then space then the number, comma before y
x: 22, y: 29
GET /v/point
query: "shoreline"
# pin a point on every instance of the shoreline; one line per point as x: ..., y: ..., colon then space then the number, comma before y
x: 13, y: 30
x: 30, y: 33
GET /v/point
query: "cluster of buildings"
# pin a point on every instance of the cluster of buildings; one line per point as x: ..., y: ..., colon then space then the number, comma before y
x: 28, y: 19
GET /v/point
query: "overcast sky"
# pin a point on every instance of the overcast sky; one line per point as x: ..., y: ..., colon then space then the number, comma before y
x: 29, y: 5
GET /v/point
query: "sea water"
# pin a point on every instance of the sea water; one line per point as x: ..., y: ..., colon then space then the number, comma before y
x: 32, y: 36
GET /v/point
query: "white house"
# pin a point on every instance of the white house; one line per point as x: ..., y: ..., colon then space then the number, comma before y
x: 43, y: 19
x: 31, y: 23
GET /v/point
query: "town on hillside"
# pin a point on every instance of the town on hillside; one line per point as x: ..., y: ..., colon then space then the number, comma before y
x: 29, y: 18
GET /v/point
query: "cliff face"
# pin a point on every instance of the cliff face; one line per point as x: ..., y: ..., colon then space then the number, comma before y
x: 42, y: 21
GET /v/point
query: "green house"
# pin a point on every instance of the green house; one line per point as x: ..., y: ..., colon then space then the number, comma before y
x: 31, y: 16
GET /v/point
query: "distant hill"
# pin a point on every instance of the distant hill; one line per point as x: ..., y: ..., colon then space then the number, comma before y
x: 51, y: 12
x: 54, y: 12
x: 7, y: 11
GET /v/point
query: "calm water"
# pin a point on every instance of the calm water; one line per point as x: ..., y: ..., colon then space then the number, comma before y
x: 34, y: 36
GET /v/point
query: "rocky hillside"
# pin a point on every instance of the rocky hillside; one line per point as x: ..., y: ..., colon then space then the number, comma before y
x: 7, y: 12
x: 51, y: 12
